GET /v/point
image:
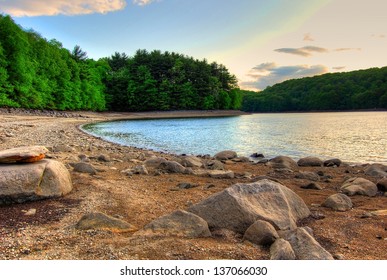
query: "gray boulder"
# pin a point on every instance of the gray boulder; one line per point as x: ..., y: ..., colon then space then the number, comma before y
x: 282, y: 250
x: 101, y: 221
x: 172, y: 167
x: 221, y: 174
x: 23, y: 154
x: 332, y: 162
x: 191, y: 161
x: 179, y: 223
x: 83, y: 167
x: 307, y: 176
x: 214, y: 165
x: 338, y: 202
x: 239, y: 206
x: 376, y: 170
x: 140, y: 169
x: 283, y: 162
x: 225, y: 155
x: 261, y: 233
x: 310, y: 161
x: 34, y: 181
x: 154, y: 162
x: 304, y: 245
x: 359, y: 186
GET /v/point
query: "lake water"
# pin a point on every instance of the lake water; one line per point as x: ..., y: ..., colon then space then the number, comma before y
x: 350, y: 136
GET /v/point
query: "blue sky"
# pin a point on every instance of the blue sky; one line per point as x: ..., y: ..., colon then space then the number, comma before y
x: 262, y: 42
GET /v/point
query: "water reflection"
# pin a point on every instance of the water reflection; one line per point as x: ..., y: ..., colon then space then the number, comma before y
x: 354, y: 137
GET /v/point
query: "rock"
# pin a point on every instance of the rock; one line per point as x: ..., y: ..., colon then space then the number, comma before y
x: 23, y: 154
x: 34, y: 181
x: 359, y: 186
x: 179, y: 223
x: 382, y: 185
x: 239, y: 206
x: 378, y: 213
x: 257, y: 155
x: 30, y: 212
x: 154, y: 162
x: 240, y: 159
x: 338, y: 202
x: 307, y: 175
x: 172, y: 167
x: 225, y: 155
x: 304, y: 245
x: 376, y: 170
x: 214, y: 165
x: 310, y: 161
x: 63, y: 148
x: 283, y: 162
x: 103, y: 158
x: 83, y: 167
x: 221, y: 174
x: 282, y: 250
x: 83, y: 158
x: 102, y: 221
x: 139, y: 169
x: 186, y: 186
x: 261, y: 233
x: 312, y: 186
x: 338, y: 257
x: 191, y: 161
x: 332, y: 162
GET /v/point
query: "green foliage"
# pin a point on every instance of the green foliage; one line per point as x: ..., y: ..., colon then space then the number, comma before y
x: 363, y: 89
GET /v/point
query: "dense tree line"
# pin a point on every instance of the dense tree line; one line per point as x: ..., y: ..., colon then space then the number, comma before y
x: 40, y: 74
x: 362, y: 89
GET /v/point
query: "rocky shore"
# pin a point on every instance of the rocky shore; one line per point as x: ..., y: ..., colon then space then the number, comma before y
x: 127, y: 203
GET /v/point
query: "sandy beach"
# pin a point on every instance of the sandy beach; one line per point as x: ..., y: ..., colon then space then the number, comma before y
x: 140, y: 198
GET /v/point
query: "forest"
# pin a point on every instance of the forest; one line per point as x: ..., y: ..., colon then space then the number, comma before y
x: 36, y: 73
x: 362, y: 89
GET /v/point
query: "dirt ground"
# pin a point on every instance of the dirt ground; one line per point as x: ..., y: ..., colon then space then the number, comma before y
x: 138, y: 199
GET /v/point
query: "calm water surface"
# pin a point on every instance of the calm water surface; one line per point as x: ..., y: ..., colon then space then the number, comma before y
x: 352, y: 137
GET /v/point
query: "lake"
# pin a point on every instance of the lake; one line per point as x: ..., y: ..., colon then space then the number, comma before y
x: 350, y: 136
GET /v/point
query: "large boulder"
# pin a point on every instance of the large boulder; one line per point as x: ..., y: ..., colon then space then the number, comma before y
x: 191, y: 161
x: 239, y: 206
x: 100, y: 221
x: 34, y: 181
x: 23, y: 154
x: 172, y: 167
x: 310, y: 161
x: 359, y: 186
x: 376, y: 170
x: 338, y: 202
x: 332, y: 162
x: 304, y: 245
x: 213, y: 165
x: 179, y: 223
x: 154, y: 162
x: 225, y: 155
x: 283, y: 162
x: 382, y: 185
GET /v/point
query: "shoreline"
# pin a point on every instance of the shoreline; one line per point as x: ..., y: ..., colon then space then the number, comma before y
x: 141, y: 198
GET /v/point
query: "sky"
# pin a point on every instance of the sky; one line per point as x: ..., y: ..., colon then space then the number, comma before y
x: 262, y: 42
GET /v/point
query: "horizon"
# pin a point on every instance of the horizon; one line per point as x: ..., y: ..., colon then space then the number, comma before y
x: 261, y: 43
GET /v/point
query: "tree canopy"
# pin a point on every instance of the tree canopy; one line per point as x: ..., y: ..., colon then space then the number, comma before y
x: 362, y: 89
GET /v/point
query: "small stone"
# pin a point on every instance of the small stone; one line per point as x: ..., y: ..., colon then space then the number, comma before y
x: 30, y: 212
x: 103, y: 158
x: 83, y: 167
x: 312, y: 186
x: 338, y: 257
x: 186, y: 186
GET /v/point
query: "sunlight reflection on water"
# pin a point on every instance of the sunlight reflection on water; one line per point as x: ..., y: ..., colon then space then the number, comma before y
x: 350, y: 136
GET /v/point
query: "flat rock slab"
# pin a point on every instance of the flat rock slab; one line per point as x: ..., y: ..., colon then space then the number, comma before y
x: 179, y: 223
x: 23, y: 154
x: 304, y: 245
x: 34, y: 181
x: 102, y: 221
x: 239, y: 206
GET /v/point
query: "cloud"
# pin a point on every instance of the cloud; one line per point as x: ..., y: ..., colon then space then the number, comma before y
x: 20, y: 8
x: 142, y: 2
x: 304, y: 51
x: 347, y: 49
x: 267, y: 74
x: 379, y: 36
x: 339, y: 68
x: 308, y: 37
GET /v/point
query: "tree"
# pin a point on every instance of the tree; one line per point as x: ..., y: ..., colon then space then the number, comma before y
x: 78, y: 54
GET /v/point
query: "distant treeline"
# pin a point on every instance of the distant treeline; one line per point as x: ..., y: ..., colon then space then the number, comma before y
x: 363, y: 89
x: 40, y: 74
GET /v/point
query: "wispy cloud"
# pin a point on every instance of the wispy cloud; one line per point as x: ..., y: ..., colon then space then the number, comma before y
x: 347, y: 49
x: 267, y: 74
x: 339, y: 68
x: 21, y: 8
x: 308, y: 37
x: 142, y: 2
x: 304, y: 51
x: 379, y: 36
